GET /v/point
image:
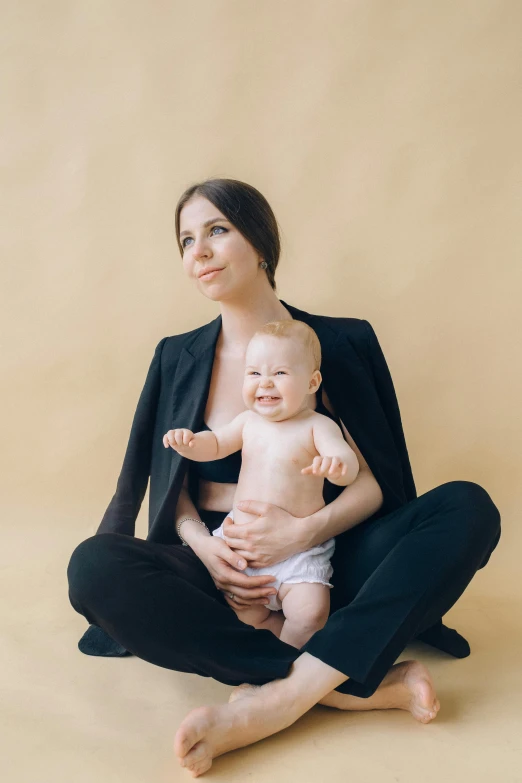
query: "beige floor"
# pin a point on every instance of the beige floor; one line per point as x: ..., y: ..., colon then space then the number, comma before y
x: 66, y: 716
x: 385, y: 136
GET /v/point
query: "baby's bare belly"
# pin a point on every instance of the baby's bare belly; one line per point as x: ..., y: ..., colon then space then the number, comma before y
x: 272, y: 460
x: 281, y: 485
x: 300, y: 501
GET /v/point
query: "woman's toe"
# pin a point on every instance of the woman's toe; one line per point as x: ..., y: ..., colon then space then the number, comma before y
x: 196, y: 755
x: 190, y: 732
x: 182, y: 742
x: 201, y: 768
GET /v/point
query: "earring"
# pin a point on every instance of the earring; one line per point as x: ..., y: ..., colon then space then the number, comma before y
x: 263, y: 265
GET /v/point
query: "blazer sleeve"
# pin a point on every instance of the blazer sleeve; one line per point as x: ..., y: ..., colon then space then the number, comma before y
x: 122, y: 511
x: 388, y: 399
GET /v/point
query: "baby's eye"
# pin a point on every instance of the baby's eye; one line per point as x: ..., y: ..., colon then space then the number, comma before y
x: 280, y: 372
x: 253, y: 372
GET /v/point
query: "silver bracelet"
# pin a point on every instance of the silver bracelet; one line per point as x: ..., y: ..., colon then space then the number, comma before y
x: 184, y: 519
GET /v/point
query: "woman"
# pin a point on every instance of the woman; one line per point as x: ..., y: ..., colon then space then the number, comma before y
x: 400, y: 563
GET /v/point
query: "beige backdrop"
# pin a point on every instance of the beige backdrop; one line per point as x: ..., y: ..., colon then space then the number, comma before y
x: 385, y: 135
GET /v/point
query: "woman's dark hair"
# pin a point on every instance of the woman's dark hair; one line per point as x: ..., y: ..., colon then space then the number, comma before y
x: 247, y: 209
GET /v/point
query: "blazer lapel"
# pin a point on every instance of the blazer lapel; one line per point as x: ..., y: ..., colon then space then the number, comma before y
x: 192, y: 382
x: 340, y: 394
x: 352, y: 392
x: 189, y: 393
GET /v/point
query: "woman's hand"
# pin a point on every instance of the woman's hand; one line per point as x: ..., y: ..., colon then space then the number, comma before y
x: 222, y: 563
x: 272, y: 536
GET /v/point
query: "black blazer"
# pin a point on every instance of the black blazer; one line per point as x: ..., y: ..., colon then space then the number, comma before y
x: 356, y: 379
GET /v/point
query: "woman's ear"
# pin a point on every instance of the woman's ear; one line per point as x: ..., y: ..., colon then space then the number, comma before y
x: 315, y: 382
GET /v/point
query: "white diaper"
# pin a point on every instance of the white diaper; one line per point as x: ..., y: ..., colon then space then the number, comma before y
x: 310, y: 566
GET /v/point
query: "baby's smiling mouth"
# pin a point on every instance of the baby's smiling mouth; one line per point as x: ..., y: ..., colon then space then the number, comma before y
x: 268, y: 397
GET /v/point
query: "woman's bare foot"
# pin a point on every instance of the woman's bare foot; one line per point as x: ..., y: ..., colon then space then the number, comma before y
x: 254, y: 713
x: 407, y: 686
x: 241, y: 691
x: 207, y: 732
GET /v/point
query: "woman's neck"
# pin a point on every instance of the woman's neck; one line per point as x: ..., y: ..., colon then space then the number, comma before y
x: 240, y: 320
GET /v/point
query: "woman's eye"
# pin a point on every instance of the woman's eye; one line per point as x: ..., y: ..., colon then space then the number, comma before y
x: 211, y: 230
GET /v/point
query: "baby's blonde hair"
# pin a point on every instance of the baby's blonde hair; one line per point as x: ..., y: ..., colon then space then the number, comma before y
x: 296, y: 330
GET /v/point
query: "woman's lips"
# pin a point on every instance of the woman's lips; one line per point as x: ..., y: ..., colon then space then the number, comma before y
x: 210, y: 275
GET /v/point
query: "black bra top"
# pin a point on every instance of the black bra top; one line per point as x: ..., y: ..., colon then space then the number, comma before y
x: 226, y: 470
x: 223, y: 471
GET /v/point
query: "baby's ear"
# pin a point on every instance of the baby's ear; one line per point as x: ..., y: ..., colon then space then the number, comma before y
x: 315, y: 381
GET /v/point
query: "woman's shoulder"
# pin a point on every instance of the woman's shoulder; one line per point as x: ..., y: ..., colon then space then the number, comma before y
x: 358, y: 330
x: 351, y: 327
x: 173, y: 344
x: 170, y: 348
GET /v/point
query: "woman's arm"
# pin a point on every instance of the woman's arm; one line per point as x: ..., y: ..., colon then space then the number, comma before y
x: 121, y: 513
x: 193, y: 532
x: 386, y: 391
x: 356, y: 503
x: 220, y: 560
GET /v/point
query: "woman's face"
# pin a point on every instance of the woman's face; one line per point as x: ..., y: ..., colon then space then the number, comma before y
x: 216, y: 255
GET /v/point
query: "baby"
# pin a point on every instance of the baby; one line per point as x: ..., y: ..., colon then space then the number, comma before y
x: 287, y: 451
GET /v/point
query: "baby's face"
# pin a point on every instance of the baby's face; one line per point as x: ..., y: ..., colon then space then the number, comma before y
x: 278, y: 377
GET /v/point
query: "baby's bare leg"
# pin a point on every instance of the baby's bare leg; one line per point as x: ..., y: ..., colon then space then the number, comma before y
x: 262, y: 618
x: 306, y: 607
x: 274, y: 622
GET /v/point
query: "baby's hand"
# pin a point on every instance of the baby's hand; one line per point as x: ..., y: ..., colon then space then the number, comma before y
x: 179, y: 440
x: 327, y: 467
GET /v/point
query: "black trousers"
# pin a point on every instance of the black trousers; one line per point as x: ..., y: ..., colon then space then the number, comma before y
x: 393, y: 577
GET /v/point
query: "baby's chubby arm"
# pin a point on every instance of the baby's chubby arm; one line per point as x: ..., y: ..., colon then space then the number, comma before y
x: 338, y: 462
x: 209, y: 445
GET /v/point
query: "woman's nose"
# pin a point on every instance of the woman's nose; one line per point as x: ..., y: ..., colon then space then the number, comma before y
x: 200, y: 250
